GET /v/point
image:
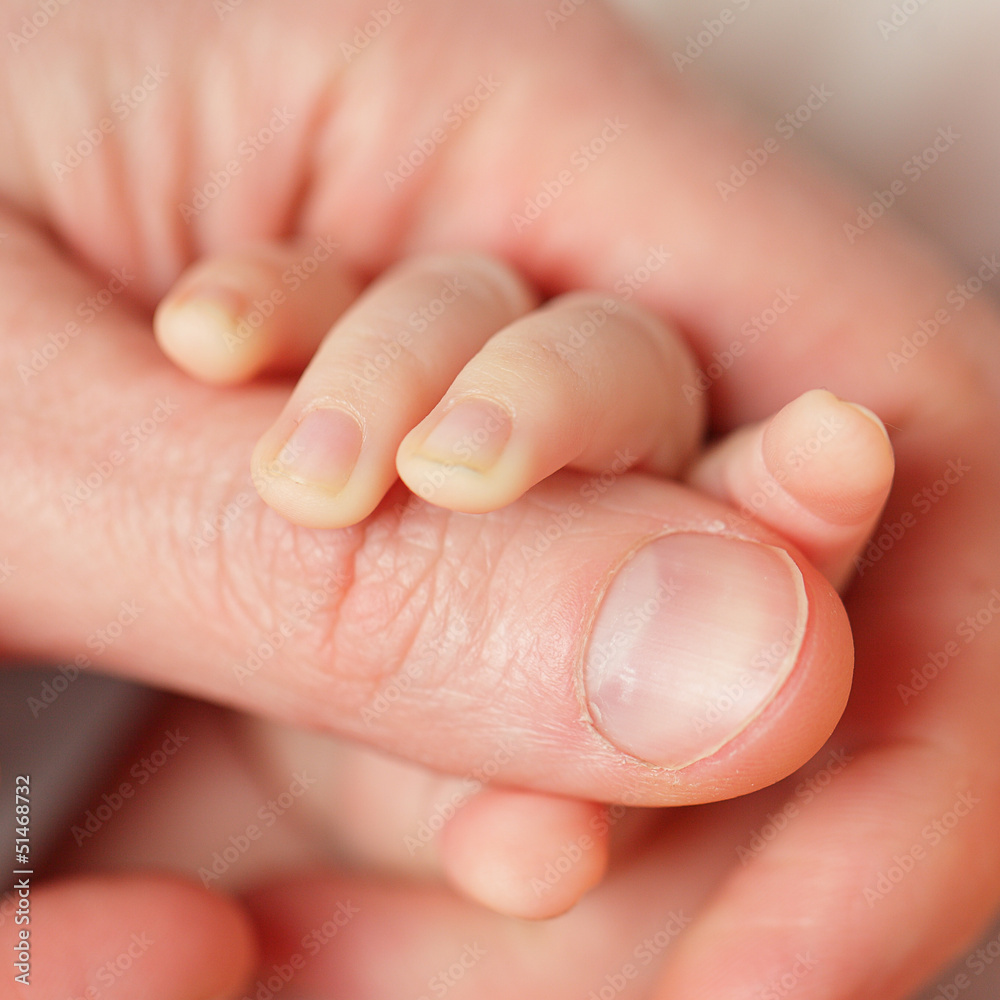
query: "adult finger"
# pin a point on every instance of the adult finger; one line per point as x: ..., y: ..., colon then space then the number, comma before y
x: 422, y: 632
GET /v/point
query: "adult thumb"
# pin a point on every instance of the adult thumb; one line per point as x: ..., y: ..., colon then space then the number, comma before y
x: 610, y: 636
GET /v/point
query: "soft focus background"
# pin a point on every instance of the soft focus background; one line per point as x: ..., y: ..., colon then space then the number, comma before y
x: 940, y: 69
x: 929, y: 65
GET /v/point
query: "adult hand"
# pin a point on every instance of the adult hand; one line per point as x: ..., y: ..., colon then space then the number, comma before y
x: 557, y: 144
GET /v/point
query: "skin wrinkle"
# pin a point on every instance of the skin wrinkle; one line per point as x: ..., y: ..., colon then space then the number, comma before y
x: 503, y: 659
x: 253, y: 561
x: 244, y: 597
x: 878, y: 578
x: 450, y: 568
x: 373, y: 583
x: 359, y: 126
x: 493, y: 639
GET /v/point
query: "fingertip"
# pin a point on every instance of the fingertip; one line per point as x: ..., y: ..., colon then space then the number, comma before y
x: 526, y: 854
x: 310, y: 477
x: 198, y: 329
x: 870, y: 415
x: 460, y: 457
x: 253, y: 308
x: 834, y: 457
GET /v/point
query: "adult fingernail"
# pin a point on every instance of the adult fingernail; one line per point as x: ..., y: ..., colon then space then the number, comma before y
x: 693, y: 639
x: 473, y: 433
x: 322, y: 450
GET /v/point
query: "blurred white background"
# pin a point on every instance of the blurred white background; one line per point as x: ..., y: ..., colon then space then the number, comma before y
x: 929, y: 64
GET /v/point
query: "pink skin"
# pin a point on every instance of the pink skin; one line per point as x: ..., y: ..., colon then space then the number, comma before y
x: 818, y: 473
x: 909, y: 762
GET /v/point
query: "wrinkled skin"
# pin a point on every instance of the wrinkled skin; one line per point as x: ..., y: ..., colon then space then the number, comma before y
x: 800, y: 906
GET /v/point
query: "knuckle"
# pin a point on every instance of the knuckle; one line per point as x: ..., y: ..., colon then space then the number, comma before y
x: 415, y: 610
x: 388, y: 610
x: 264, y: 593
